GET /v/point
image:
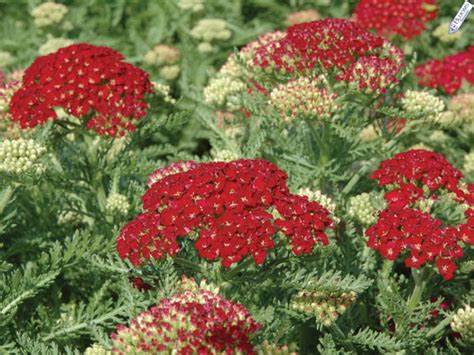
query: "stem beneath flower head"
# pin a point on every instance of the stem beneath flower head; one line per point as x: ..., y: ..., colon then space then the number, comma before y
x: 421, y: 279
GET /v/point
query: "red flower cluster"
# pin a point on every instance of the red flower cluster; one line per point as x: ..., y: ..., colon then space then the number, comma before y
x: 448, y: 73
x: 405, y: 18
x: 228, y: 207
x: 402, y: 227
x: 88, y: 82
x: 332, y: 46
x: 189, y: 323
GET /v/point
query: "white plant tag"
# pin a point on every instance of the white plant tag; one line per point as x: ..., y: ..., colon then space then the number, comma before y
x: 462, y: 14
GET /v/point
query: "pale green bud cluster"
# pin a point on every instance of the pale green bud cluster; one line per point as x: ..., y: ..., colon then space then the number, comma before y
x: 271, y: 349
x: 6, y: 59
x: 368, y: 134
x: 190, y: 284
x: 303, y: 98
x: 363, y: 208
x: 320, y: 198
x: 162, y: 54
x: 224, y: 91
x: 66, y: 218
x: 170, y: 72
x: 163, y: 90
x: 424, y: 104
x: 463, y: 323
x: 438, y: 136
x: 97, y: 349
x: 191, y: 5
x: 325, y: 306
x: 468, y: 165
x: 224, y: 155
x: 205, y: 47
x: 441, y: 32
x: 21, y: 156
x: 211, y: 29
x: 117, y: 204
x: 53, y: 44
x: 461, y: 110
x: 48, y: 13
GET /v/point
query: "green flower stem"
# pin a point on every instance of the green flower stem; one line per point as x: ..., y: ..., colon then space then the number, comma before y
x: 421, y: 279
x: 440, y: 326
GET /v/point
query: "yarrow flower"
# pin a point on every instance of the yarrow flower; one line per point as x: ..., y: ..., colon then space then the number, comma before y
x: 333, y: 45
x: 224, y: 155
x: 442, y: 33
x: 303, y: 98
x: 423, y: 104
x: 117, y: 204
x: 468, y: 166
x: 21, y: 156
x: 320, y: 198
x: 406, y: 18
x: 325, y: 306
x: 211, y: 29
x: 162, y: 54
x: 448, y: 73
x: 48, y: 13
x: 412, y: 178
x: 163, y: 90
x: 463, y: 323
x: 224, y: 91
x: 460, y: 110
x: 225, y: 208
x: 189, y: 323
x: 88, y: 82
x: 174, y: 168
x: 192, y: 5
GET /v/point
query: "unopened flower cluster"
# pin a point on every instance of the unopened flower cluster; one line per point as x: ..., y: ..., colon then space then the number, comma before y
x: 225, y: 208
x: 461, y: 109
x: 350, y: 53
x: 423, y: 104
x: 21, y: 156
x: 394, y: 17
x: 6, y: 59
x: 468, y: 166
x: 463, y: 323
x: 191, y: 5
x: 210, y: 30
x: 449, y: 73
x: 189, y: 323
x: 302, y: 17
x: 303, y: 98
x: 413, y: 177
x: 53, y: 45
x: 117, y: 204
x: 364, y: 208
x: 163, y: 90
x: 86, y: 81
x: 48, y: 13
x: 322, y: 199
x: 166, y: 58
x: 442, y: 33
x: 324, y: 305
x: 173, y: 168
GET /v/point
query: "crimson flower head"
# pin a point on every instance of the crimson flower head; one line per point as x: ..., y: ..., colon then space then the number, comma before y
x: 449, y: 73
x: 198, y: 322
x: 405, y: 18
x: 413, y: 178
x: 230, y: 210
x: 88, y: 82
x: 333, y: 46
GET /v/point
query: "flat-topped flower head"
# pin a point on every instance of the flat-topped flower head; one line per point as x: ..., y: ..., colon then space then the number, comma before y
x: 448, y: 74
x: 88, y: 82
x: 193, y: 322
x: 405, y: 18
x: 226, y: 209
x: 332, y: 46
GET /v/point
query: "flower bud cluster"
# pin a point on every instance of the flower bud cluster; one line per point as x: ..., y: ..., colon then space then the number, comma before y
x: 224, y: 155
x: 322, y: 199
x: 423, y: 104
x: 223, y: 91
x: 461, y: 109
x: 6, y: 59
x: 174, y: 168
x: 302, y: 16
x: 442, y: 33
x: 303, y: 98
x: 468, y: 166
x: 48, y: 13
x: 166, y: 58
x: 117, y: 204
x: 210, y: 30
x: 163, y: 90
x: 97, y: 349
x: 325, y: 306
x: 270, y: 349
x: 191, y: 5
x: 189, y: 323
x: 363, y: 208
x: 463, y: 323
x: 53, y: 44
x: 21, y: 156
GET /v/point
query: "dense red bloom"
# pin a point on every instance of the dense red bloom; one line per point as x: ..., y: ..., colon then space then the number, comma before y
x: 227, y: 209
x: 405, y: 18
x: 334, y: 46
x: 402, y: 226
x: 189, y: 323
x: 448, y: 73
x: 88, y: 82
